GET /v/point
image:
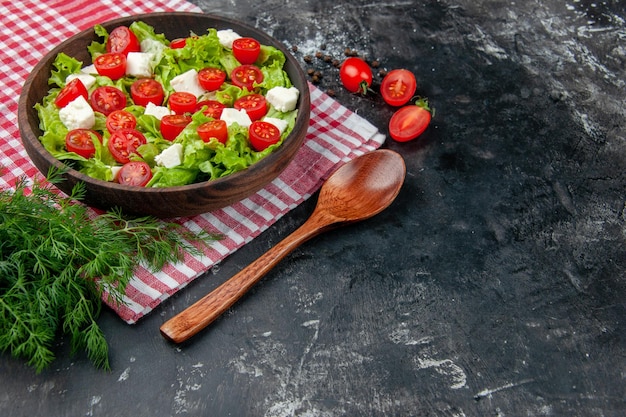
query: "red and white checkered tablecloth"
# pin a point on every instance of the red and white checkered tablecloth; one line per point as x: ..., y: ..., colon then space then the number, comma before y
x: 336, y: 135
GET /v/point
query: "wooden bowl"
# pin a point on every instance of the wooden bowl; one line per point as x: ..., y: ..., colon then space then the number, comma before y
x: 187, y: 200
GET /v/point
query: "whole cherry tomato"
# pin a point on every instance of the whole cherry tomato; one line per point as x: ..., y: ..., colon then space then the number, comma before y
x: 356, y: 75
x: 398, y: 87
x: 409, y: 122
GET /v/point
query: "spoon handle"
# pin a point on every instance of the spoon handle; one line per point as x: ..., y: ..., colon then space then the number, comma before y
x: 204, y: 311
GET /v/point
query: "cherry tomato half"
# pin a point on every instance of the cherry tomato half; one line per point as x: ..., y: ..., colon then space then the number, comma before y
x: 71, y: 92
x: 134, y: 173
x: 147, y: 90
x: 212, y: 108
x: 246, y: 50
x: 263, y: 134
x: 182, y: 102
x: 355, y: 75
x: 125, y: 142
x: 410, y: 121
x: 254, y: 104
x: 214, y: 129
x: 398, y: 87
x: 122, y: 40
x: 112, y: 65
x: 80, y: 141
x: 120, y: 119
x: 245, y: 76
x: 107, y: 99
x: 178, y: 43
x: 211, y: 78
x: 172, y: 125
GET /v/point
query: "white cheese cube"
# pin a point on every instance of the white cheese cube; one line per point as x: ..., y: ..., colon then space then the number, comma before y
x: 151, y: 46
x: 231, y: 115
x: 157, y: 111
x: 188, y: 82
x: 87, y: 80
x: 115, y: 170
x: 283, y: 99
x: 280, y: 124
x: 89, y: 69
x: 170, y: 157
x: 226, y: 37
x: 138, y: 64
x: 78, y: 114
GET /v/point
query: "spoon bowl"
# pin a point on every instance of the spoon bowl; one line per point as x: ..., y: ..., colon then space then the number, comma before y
x: 364, y: 187
x: 356, y: 191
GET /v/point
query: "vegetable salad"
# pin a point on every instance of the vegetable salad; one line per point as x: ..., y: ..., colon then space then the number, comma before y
x: 163, y: 120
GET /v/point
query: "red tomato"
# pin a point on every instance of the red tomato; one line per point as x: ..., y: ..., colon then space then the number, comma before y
x: 398, y: 87
x: 125, y: 142
x: 112, y: 65
x: 245, y: 76
x: 246, y: 50
x: 147, y: 90
x: 263, y: 134
x: 122, y: 40
x: 182, y: 102
x: 120, y: 119
x: 172, y: 125
x: 214, y: 129
x: 107, y: 99
x: 80, y: 141
x: 178, y: 43
x: 410, y: 121
x: 212, y: 108
x: 134, y: 173
x: 71, y: 92
x: 356, y: 75
x: 254, y: 104
x: 211, y: 78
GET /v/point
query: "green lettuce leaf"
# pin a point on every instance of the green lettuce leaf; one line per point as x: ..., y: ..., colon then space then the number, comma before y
x: 63, y: 66
x: 97, y: 48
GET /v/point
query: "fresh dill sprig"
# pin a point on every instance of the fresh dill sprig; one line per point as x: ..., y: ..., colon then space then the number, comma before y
x: 56, y: 263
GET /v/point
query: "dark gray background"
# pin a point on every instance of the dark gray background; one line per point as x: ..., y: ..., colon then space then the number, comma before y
x: 493, y: 286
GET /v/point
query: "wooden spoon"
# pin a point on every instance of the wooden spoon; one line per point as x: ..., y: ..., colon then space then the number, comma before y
x: 358, y: 190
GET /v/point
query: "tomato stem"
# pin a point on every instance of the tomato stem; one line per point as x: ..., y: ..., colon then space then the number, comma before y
x: 363, y: 88
x: 423, y: 103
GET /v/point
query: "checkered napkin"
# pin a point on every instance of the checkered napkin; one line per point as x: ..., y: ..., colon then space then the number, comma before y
x: 335, y: 136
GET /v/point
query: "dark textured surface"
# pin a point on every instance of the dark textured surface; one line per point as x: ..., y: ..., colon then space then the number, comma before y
x: 494, y: 286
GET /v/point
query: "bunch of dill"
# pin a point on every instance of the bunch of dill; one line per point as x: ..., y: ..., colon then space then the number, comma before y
x: 56, y: 262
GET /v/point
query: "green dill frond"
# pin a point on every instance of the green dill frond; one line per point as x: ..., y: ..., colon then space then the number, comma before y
x: 56, y: 263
